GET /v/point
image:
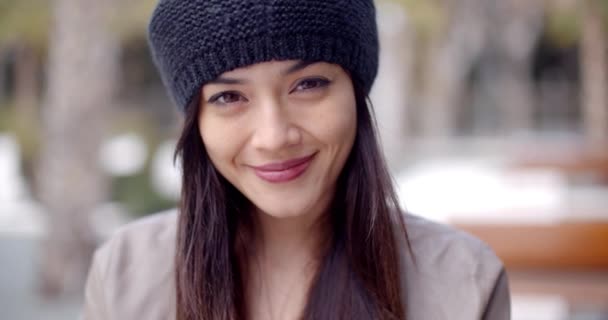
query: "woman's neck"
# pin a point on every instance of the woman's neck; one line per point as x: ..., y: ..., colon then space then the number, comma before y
x: 283, y: 265
x: 292, y: 240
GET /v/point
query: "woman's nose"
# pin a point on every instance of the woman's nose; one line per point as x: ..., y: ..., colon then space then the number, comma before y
x: 274, y: 127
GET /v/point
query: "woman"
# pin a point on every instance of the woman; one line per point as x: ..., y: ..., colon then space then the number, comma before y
x: 287, y: 210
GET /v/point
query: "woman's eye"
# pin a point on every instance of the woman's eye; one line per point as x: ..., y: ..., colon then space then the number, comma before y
x: 314, y: 83
x: 226, y: 98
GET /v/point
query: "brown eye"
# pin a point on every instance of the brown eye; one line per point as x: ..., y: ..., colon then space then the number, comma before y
x: 312, y: 83
x: 227, y: 97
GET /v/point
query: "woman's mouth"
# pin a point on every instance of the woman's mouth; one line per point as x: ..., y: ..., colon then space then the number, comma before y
x: 284, y: 171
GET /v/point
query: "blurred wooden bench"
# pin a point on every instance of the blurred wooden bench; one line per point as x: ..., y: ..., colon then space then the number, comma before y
x: 568, y: 258
x: 568, y: 161
x: 563, y: 246
x: 585, y: 289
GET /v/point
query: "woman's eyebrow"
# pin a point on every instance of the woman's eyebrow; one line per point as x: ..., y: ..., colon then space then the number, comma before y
x: 298, y: 66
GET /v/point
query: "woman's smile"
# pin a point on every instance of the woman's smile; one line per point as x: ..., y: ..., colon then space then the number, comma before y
x: 285, y: 171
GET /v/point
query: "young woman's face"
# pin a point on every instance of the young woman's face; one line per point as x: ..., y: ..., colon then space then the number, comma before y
x: 280, y: 132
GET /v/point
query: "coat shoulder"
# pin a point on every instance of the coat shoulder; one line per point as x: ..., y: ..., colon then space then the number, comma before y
x: 141, y: 239
x: 437, y: 246
x: 449, y: 274
x: 132, y: 272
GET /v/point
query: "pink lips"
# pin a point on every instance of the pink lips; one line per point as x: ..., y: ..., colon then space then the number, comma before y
x: 283, y: 171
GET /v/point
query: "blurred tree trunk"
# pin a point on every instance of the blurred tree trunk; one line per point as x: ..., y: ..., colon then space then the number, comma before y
x: 594, y: 73
x: 26, y: 80
x: 390, y: 95
x: 3, y: 73
x: 82, y: 69
x: 516, y: 27
x: 452, y: 57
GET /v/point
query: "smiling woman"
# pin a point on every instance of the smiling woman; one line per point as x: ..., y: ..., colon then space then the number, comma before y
x: 280, y: 130
x: 287, y: 209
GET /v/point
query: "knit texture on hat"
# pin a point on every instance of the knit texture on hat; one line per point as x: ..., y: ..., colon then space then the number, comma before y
x: 194, y: 41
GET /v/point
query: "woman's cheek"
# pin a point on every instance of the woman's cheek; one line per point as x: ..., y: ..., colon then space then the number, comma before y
x: 339, y: 125
x: 219, y: 139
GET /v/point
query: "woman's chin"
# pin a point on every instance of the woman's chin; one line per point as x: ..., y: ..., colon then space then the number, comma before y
x: 280, y: 212
x: 286, y: 210
x: 290, y: 205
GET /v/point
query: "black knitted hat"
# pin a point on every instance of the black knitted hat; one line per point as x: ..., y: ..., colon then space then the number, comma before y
x: 194, y: 41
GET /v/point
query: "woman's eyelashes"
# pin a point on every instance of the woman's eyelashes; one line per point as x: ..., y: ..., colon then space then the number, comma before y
x: 311, y: 84
x: 226, y: 98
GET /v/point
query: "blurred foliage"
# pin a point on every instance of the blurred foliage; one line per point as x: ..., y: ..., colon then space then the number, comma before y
x: 427, y: 16
x: 137, y: 194
x: 132, y: 20
x: 603, y: 7
x: 26, y: 21
x: 563, y: 26
x: 26, y: 130
x: 29, y: 20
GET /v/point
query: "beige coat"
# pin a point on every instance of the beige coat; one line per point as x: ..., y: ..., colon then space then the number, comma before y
x: 455, y: 276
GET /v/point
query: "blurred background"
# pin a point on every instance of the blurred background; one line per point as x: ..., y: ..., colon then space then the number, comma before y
x: 493, y: 116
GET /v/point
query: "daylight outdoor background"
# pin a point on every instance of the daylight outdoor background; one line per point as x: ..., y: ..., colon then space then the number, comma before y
x: 493, y: 116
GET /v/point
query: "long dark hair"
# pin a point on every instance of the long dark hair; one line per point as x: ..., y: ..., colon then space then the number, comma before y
x: 359, y: 275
